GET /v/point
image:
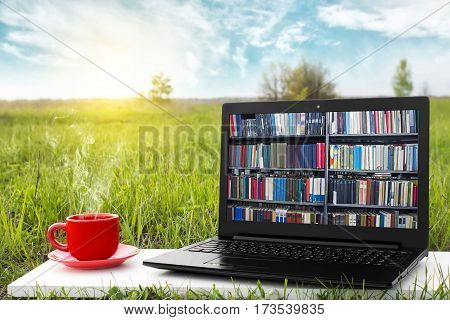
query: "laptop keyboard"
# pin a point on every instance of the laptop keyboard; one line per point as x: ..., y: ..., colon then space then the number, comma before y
x: 326, y: 254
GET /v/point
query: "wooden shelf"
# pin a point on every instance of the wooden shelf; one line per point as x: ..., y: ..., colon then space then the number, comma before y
x: 365, y: 135
x: 329, y: 139
x: 372, y: 171
x: 280, y: 137
x: 276, y: 169
x: 368, y: 206
x: 280, y: 202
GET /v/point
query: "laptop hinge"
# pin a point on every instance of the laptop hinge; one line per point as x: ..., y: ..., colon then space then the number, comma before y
x: 337, y: 243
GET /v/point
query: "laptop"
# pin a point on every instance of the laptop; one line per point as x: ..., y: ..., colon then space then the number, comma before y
x: 318, y: 191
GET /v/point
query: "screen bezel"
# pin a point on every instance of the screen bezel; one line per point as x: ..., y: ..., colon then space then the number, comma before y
x: 407, y: 238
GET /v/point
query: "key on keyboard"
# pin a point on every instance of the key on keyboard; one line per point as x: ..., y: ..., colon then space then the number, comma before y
x: 364, y: 256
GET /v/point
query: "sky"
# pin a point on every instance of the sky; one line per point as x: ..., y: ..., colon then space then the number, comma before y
x: 216, y: 48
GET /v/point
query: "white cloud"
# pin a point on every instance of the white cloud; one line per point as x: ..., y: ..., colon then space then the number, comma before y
x: 131, y: 42
x: 389, y: 18
x: 256, y: 23
x: 16, y: 51
x: 190, y: 41
x: 291, y: 35
x: 204, y: 47
x: 260, y: 33
x: 374, y: 76
x: 240, y: 59
x: 425, y: 46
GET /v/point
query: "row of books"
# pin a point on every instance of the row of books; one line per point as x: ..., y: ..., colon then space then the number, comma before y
x: 359, y: 218
x: 277, y: 155
x: 374, y: 157
x: 280, y: 215
x: 380, y: 219
x: 277, y: 124
x: 261, y: 187
x: 395, y: 193
x: 373, y: 122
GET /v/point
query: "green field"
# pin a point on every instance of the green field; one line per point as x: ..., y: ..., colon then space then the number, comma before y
x: 64, y: 157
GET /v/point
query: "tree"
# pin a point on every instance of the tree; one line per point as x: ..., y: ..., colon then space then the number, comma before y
x: 161, y: 88
x: 274, y: 81
x: 402, y: 83
x: 309, y: 81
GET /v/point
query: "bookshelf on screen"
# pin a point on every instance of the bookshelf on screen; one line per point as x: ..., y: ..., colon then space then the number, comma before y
x: 355, y: 168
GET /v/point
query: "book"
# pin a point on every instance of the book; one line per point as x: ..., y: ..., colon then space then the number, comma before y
x: 371, y: 218
x: 344, y: 217
x: 276, y: 215
x: 277, y: 124
x: 376, y: 157
x: 277, y: 155
x: 374, y: 122
x: 276, y: 188
x: 395, y: 193
x: 266, y: 182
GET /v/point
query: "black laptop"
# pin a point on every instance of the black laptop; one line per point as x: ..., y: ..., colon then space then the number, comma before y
x: 329, y: 191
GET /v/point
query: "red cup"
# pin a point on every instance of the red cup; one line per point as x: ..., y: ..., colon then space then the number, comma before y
x: 90, y: 236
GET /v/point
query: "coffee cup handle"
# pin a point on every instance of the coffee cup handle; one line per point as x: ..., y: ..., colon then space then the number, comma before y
x: 51, y: 236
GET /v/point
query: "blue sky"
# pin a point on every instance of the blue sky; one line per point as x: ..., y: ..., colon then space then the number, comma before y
x: 216, y: 48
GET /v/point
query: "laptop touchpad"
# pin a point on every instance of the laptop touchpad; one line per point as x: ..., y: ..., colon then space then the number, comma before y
x: 243, y: 262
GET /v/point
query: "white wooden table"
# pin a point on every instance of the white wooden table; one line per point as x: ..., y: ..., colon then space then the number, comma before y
x: 51, y: 276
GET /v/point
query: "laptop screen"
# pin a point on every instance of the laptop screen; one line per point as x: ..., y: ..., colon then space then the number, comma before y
x: 354, y: 169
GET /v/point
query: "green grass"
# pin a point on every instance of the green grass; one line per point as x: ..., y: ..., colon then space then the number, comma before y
x: 417, y: 291
x: 63, y: 157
